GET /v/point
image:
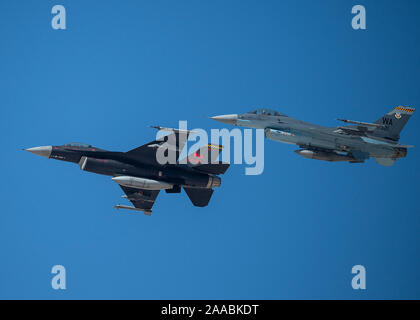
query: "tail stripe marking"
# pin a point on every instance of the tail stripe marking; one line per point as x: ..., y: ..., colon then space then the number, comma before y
x: 215, y: 146
x: 405, y: 109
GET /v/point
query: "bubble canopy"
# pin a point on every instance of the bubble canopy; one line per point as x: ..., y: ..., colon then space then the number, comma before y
x: 266, y: 112
x: 78, y: 145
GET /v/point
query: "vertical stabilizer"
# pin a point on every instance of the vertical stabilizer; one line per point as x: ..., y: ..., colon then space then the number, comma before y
x: 393, y: 122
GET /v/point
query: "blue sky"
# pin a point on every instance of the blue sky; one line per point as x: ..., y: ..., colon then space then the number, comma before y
x: 293, y: 232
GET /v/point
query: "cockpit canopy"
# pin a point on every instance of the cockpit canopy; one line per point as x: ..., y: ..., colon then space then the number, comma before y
x: 266, y: 112
x: 78, y: 145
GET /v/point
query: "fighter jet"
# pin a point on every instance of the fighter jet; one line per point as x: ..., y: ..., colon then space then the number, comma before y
x: 140, y: 174
x: 354, y: 143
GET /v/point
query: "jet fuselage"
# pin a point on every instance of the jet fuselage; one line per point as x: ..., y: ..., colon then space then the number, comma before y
x: 353, y: 143
x: 292, y: 131
x: 115, y: 164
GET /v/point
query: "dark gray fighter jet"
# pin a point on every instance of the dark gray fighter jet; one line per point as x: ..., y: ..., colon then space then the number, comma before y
x: 354, y: 143
x: 139, y: 173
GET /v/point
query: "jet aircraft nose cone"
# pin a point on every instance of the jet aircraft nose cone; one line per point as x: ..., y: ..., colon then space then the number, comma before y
x: 44, y: 151
x: 227, y: 118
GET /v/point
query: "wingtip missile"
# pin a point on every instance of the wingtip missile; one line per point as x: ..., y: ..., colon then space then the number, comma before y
x: 145, y: 211
x: 366, y: 124
x: 173, y: 130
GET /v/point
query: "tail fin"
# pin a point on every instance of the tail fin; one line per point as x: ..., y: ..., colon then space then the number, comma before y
x: 207, y: 154
x: 199, y: 197
x: 393, y: 122
x: 205, y: 159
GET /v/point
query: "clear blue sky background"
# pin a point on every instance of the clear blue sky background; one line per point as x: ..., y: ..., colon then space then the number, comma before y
x: 293, y: 232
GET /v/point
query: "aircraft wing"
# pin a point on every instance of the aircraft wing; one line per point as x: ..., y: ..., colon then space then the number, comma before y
x: 143, y: 200
x: 175, y: 141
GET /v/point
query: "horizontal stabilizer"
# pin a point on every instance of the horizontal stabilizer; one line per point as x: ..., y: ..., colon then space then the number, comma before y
x: 199, y: 197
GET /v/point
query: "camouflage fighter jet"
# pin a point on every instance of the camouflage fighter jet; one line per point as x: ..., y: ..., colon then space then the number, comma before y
x: 354, y: 143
